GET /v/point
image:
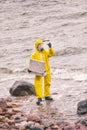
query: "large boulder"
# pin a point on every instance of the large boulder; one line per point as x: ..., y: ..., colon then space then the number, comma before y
x: 82, y: 107
x: 22, y: 88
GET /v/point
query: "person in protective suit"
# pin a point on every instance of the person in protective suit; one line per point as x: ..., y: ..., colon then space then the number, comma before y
x: 43, y: 55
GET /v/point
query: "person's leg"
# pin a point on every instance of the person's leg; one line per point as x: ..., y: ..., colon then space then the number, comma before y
x: 38, y: 88
x: 47, y: 83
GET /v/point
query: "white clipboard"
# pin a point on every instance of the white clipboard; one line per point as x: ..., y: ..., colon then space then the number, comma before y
x: 37, y: 67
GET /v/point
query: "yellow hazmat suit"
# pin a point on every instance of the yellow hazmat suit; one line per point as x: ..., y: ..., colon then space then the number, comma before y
x: 43, y: 56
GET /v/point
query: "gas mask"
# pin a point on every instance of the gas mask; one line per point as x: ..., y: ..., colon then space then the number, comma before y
x: 40, y: 47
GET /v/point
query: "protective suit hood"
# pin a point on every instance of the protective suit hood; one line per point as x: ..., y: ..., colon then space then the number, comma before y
x: 38, y: 42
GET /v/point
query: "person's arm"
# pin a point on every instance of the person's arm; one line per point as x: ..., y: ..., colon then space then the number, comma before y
x: 32, y: 56
x: 50, y: 51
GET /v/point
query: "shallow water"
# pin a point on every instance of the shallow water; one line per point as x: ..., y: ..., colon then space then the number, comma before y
x: 64, y: 23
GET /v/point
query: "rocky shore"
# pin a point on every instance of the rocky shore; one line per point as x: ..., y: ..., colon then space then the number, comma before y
x: 13, y: 118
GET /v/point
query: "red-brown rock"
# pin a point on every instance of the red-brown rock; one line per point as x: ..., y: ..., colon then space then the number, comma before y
x: 3, y: 104
x: 80, y: 127
x: 56, y: 127
x: 33, y: 118
x: 49, y: 128
x: 69, y: 128
x: 62, y: 124
x: 1, y: 111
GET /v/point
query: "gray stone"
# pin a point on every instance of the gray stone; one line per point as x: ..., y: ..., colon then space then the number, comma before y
x: 22, y: 88
x: 35, y: 128
x: 83, y: 122
x: 82, y: 107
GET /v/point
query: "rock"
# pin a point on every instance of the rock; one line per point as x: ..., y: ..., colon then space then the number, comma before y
x: 75, y: 127
x: 12, y: 104
x: 1, y: 111
x: 38, y: 125
x: 13, y: 112
x: 48, y: 128
x: 29, y: 124
x: 22, y: 88
x: 5, y: 119
x: 3, y: 104
x: 83, y: 122
x: 55, y: 127
x: 69, y: 128
x: 34, y: 118
x: 8, y: 99
x: 80, y: 127
x: 3, y: 126
x: 82, y: 107
x: 63, y: 124
x: 35, y: 128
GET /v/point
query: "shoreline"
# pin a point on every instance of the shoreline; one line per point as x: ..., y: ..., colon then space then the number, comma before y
x: 12, y: 115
